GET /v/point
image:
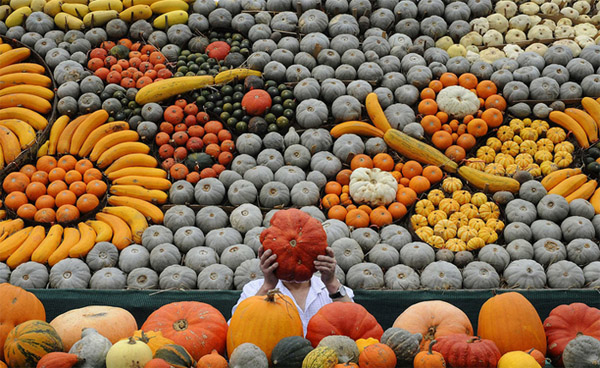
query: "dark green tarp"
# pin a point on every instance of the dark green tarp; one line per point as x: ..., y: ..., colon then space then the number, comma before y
x: 384, y: 305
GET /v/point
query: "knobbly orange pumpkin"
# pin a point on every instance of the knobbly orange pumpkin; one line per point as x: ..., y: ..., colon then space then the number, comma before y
x: 297, y: 239
x: 58, y: 359
x: 512, y: 322
x: 342, y: 318
x: 198, y: 327
x: 17, y: 306
x: 429, y: 358
x: 263, y: 321
x: 377, y: 356
x: 433, y: 319
x: 212, y: 360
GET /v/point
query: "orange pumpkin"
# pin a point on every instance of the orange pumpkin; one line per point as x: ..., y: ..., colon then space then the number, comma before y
x: 263, y: 321
x: 378, y: 356
x: 212, y: 360
x: 3, y: 365
x: 157, y: 363
x: 537, y: 355
x: 17, y: 306
x: 198, y: 327
x: 511, y: 322
x: 429, y: 358
x: 111, y: 322
x: 347, y: 364
x: 57, y: 359
x: 433, y: 319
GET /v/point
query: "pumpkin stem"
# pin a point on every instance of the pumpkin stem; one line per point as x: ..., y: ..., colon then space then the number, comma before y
x: 433, y: 342
x: 131, y: 341
x: 473, y: 339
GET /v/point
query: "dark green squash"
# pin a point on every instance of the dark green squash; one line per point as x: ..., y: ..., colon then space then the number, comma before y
x: 198, y: 161
x: 175, y: 355
x: 290, y: 352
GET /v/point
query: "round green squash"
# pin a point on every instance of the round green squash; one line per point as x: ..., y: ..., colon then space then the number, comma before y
x: 290, y: 352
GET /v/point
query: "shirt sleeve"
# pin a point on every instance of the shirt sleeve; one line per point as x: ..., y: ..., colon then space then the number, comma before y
x: 349, y: 292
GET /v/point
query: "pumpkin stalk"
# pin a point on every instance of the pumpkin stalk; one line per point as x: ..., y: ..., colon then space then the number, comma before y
x: 430, y: 349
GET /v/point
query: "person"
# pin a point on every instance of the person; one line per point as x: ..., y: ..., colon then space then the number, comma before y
x: 308, y: 296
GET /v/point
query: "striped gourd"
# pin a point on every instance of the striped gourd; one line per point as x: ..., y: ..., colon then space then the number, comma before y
x: 28, y: 342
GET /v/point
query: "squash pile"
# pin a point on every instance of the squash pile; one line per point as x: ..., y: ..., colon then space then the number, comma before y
x: 181, y: 128
x: 110, y: 337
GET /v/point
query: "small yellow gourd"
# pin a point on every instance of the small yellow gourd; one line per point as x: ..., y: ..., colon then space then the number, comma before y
x: 488, y: 235
x: 528, y: 146
x: 475, y: 243
x: 128, y: 353
x: 435, y: 196
x: 505, y: 133
x: 459, y: 218
x: 545, y: 144
x: 466, y: 233
x: 517, y: 359
x: 470, y: 210
x: 543, y: 155
x: 478, y: 199
x: 489, y: 210
x: 476, y: 164
x: 455, y: 245
x: 504, y: 160
x: 476, y: 223
x: 450, y: 185
x: 529, y: 134
x: 556, y: 135
x: 461, y: 196
x: 363, y: 343
x: 523, y: 160
x: 446, y: 229
x: 495, y: 169
x: 497, y: 225
x: 424, y: 207
x: 563, y: 159
x: 510, y: 148
x: 449, y: 206
x: 436, y: 241
x: 494, y: 143
x: 486, y: 154
x: 418, y: 221
x: 516, y: 125
x: 436, y: 216
x: 564, y: 146
x: 424, y: 233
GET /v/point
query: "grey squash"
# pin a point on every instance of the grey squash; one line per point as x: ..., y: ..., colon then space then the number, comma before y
x: 199, y: 258
x: 248, y: 355
x: 404, y: 344
x: 335, y: 229
x: 547, y: 251
x: 179, y: 216
x: 463, y: 258
x: 305, y: 193
x: 480, y: 275
x: 234, y: 255
x: 347, y: 146
x: 582, y: 251
x: 517, y: 230
x: 417, y: 255
x: 396, y: 236
x: 494, y: 255
x: 583, y: 351
x: 163, y: 256
x: 565, y: 275
x: 181, y: 192
x: 525, y: 274
x: 247, y: 271
x: 581, y: 207
x: 402, y: 277
x: 188, y: 237
x: 532, y: 191
x: 591, y: 273
x: 545, y: 229
x: 441, y: 275
x: 70, y: 273
x: 108, y: 278
x: 245, y: 217
x: 519, y: 210
x: 577, y: 227
x: 347, y: 253
x: 366, y: 237
x: 29, y: 275
x: 259, y: 176
x: 132, y: 257
x: 553, y: 207
x: 91, y: 349
x: 210, y: 218
x: 215, y: 277
x: 177, y: 277
x: 365, y: 275
x: 242, y: 191
x: 384, y: 256
x: 103, y: 254
x: 142, y: 279
x: 4, y: 273
x: 520, y: 249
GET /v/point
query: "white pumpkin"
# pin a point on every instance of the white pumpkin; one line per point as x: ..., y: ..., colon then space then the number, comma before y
x: 128, y: 353
x: 491, y: 54
x: 457, y: 101
x: 512, y: 51
x: 480, y: 25
x: 373, y: 186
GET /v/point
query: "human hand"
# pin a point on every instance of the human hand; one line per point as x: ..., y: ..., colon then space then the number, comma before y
x: 325, y: 264
x: 268, y: 265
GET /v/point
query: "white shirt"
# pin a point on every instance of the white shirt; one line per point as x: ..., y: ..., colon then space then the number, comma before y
x: 317, y: 297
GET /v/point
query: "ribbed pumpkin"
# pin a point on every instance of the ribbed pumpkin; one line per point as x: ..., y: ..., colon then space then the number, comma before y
x: 111, y: 322
x: 17, y: 306
x: 342, y: 318
x: 28, y: 342
x: 464, y: 351
x: 511, y: 322
x: 58, y: 359
x: 433, y: 319
x: 263, y: 321
x: 429, y: 358
x: 212, y: 360
x: 297, y: 239
x: 198, y: 327
x: 321, y: 357
x: 290, y: 352
x: 377, y: 356
x: 345, y: 365
x: 566, y: 322
x: 176, y: 355
x: 154, y: 339
x: 256, y: 102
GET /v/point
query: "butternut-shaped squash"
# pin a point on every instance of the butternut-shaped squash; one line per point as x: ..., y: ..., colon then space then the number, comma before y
x: 553, y: 179
x: 355, y: 127
x: 419, y: 151
x: 376, y: 113
x: 595, y: 201
x: 488, y: 182
x: 569, y: 185
x: 568, y: 123
x: 585, y: 191
x: 593, y: 108
x: 586, y: 121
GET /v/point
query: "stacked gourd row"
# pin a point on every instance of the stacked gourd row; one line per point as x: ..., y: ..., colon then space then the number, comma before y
x: 108, y: 336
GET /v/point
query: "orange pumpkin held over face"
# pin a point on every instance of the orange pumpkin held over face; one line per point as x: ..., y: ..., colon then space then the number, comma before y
x: 297, y: 239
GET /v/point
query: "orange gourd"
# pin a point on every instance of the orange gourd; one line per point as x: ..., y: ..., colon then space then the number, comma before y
x: 429, y: 358
x: 212, y: 360
x: 377, y: 356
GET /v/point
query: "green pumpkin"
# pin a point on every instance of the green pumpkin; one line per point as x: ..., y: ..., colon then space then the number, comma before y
x: 175, y: 355
x: 321, y: 357
x: 28, y: 342
x: 198, y: 161
x: 290, y: 352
